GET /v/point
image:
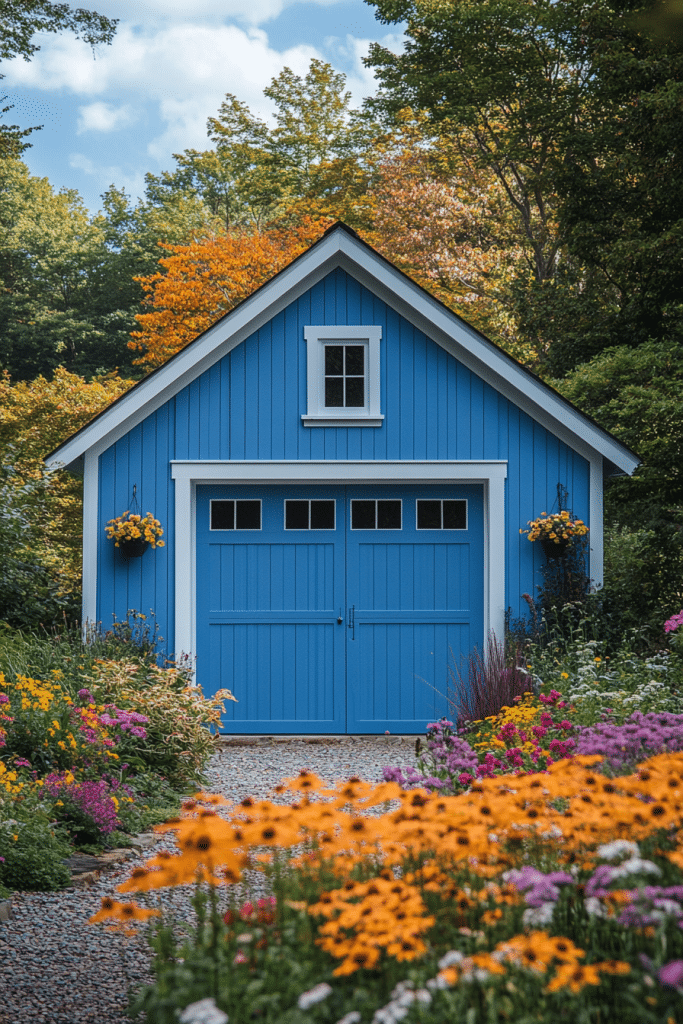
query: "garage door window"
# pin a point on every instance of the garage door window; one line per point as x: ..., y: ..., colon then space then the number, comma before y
x: 236, y: 515
x: 309, y: 515
x: 441, y: 515
x: 376, y: 515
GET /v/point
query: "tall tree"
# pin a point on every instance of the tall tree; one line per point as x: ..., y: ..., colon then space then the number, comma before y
x: 551, y: 97
x: 444, y: 222
x: 313, y: 161
x: 205, y: 279
x: 67, y: 291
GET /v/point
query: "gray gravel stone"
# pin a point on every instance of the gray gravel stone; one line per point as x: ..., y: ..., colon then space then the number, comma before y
x: 57, y: 969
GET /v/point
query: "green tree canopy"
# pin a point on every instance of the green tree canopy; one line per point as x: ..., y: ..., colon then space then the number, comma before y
x: 571, y: 106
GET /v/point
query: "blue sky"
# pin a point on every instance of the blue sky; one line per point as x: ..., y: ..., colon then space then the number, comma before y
x: 110, y: 118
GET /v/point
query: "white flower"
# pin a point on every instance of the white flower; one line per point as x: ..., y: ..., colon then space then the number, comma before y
x: 314, y: 995
x: 450, y: 958
x: 203, y: 1012
x: 635, y: 866
x: 538, y: 916
x: 594, y: 907
x: 423, y: 996
x: 350, y: 1018
x: 618, y: 848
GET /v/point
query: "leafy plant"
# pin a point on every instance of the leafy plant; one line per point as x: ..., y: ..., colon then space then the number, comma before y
x: 32, y: 855
x: 178, y: 739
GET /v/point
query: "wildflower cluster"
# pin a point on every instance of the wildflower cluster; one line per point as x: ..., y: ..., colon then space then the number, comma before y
x: 131, y: 526
x: 89, y: 807
x: 476, y: 892
x: 557, y: 527
x: 531, y: 734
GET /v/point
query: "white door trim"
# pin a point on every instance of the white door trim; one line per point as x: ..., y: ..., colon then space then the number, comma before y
x: 187, y: 475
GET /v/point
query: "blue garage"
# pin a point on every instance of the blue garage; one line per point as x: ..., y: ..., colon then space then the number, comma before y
x: 341, y: 466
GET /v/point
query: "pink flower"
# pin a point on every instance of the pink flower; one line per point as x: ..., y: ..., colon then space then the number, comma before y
x: 674, y: 622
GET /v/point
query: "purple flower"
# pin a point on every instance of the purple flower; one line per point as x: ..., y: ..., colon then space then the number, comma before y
x: 4, y: 699
x: 672, y: 973
x: 640, y: 737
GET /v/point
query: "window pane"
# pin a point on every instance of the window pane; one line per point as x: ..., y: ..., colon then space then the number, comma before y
x: 334, y: 359
x: 248, y: 515
x: 222, y: 515
x: 388, y: 515
x: 355, y: 361
x: 296, y: 515
x: 355, y: 391
x: 455, y: 515
x: 363, y: 515
x: 322, y: 515
x: 334, y: 391
x: 428, y: 515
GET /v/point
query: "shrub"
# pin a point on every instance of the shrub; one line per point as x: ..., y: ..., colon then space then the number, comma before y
x: 178, y: 740
x: 88, y: 810
x: 32, y: 856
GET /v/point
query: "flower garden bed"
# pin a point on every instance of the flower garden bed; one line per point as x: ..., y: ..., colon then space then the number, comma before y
x: 528, y: 866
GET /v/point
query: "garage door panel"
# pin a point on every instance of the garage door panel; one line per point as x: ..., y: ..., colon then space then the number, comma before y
x: 268, y: 603
x: 394, y: 670
x: 267, y: 607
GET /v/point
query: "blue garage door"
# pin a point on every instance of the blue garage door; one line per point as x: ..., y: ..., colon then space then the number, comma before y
x: 333, y: 610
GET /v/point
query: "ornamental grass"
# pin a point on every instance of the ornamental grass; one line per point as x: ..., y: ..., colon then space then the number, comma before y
x: 546, y: 896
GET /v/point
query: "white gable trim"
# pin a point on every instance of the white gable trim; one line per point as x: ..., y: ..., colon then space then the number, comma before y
x: 187, y: 475
x: 341, y: 249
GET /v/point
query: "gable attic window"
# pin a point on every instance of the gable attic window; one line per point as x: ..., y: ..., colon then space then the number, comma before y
x: 343, y: 376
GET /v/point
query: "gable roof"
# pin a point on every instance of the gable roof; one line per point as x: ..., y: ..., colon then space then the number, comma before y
x: 340, y: 246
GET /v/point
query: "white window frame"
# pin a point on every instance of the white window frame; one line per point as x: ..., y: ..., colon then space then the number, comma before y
x: 375, y: 528
x: 320, y: 415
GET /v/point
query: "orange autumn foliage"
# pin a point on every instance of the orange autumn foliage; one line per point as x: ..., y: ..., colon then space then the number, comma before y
x: 206, y: 279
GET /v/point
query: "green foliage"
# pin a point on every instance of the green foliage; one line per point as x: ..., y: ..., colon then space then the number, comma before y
x: 574, y: 108
x: 29, y: 592
x: 34, y: 860
x: 636, y: 395
x: 310, y: 162
x: 19, y: 25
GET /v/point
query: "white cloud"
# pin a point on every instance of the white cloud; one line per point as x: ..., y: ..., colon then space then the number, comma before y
x: 185, y: 71
x: 103, y: 117
x: 351, y: 50
x: 104, y: 176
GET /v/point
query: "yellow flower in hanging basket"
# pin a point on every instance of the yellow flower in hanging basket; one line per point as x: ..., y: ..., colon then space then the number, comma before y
x: 135, y: 527
x: 556, y: 528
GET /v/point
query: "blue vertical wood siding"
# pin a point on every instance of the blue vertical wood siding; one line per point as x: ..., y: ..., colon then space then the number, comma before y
x: 249, y: 406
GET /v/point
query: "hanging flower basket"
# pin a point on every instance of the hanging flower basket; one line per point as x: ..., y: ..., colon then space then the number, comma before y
x: 554, y: 549
x: 556, y: 532
x: 133, y: 548
x: 133, y: 533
